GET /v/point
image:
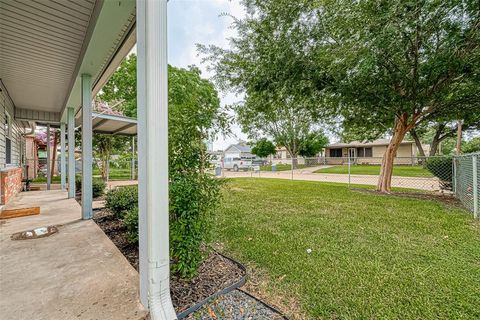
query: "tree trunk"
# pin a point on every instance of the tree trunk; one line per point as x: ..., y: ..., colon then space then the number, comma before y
x: 54, y: 154
x: 385, y: 178
x: 436, y: 140
x: 418, y: 143
x: 459, y: 138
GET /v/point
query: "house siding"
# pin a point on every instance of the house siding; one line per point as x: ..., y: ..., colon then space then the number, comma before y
x: 405, y: 155
x: 6, y: 107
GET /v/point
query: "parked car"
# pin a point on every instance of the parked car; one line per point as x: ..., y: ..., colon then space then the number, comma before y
x: 237, y: 164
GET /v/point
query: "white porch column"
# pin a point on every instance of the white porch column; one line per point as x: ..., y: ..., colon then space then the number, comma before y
x: 71, y: 152
x: 87, y: 160
x: 63, y: 174
x: 133, y: 158
x: 49, y: 160
x: 152, y: 102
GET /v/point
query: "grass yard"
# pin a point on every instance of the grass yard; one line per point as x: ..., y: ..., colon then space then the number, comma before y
x: 55, y: 180
x: 282, y: 167
x: 115, y: 173
x: 401, y: 171
x: 373, y: 256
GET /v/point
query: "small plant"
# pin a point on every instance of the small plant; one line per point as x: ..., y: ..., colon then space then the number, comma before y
x: 122, y: 200
x: 442, y: 168
x: 98, y: 186
x: 131, y: 222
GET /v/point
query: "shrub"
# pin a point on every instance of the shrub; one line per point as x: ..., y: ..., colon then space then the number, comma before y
x: 193, y: 199
x: 442, y: 168
x: 131, y: 222
x: 98, y: 186
x: 194, y: 116
x: 121, y: 200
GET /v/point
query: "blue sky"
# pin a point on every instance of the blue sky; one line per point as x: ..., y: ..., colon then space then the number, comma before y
x: 198, y: 21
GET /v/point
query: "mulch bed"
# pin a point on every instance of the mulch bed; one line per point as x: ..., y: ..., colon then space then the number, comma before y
x: 446, y: 199
x: 214, y: 274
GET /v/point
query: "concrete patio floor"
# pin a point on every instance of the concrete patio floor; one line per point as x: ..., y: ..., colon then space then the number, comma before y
x: 77, y: 273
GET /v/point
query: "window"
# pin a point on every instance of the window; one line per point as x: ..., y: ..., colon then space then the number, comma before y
x: 8, y: 139
x: 336, y: 153
x: 364, y: 152
x: 360, y: 152
x: 368, y: 153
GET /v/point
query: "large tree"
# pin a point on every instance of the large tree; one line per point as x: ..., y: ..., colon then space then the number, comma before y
x: 399, y: 63
x: 121, y: 88
x: 264, y: 148
x: 270, y: 65
x: 314, y: 143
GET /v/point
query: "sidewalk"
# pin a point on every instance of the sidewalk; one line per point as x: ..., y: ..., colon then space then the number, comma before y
x: 77, y: 273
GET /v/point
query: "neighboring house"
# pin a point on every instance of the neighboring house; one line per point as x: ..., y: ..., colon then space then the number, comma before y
x: 239, y: 150
x: 283, y: 156
x: 369, y: 152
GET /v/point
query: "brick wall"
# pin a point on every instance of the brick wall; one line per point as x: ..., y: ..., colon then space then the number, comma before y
x: 10, y: 183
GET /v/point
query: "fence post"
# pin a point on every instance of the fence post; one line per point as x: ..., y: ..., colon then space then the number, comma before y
x: 454, y: 176
x: 292, y: 166
x: 475, y: 186
x: 349, y: 178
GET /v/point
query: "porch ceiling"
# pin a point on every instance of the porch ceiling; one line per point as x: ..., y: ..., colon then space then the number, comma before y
x: 45, y: 46
x: 40, y: 45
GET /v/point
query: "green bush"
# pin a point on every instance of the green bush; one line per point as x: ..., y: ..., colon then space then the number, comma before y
x: 98, y: 186
x: 193, y: 199
x: 442, y: 168
x: 121, y: 200
x: 131, y: 222
x: 194, y: 116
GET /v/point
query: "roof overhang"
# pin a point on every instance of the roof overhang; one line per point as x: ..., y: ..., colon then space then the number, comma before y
x: 46, y: 46
x: 111, y: 124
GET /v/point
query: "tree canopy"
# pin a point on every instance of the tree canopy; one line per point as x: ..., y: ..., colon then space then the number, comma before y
x: 381, y: 67
x: 263, y: 148
x: 314, y: 143
x: 121, y: 88
x: 269, y: 63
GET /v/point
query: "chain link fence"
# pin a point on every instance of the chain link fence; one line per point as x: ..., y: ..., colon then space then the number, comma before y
x: 458, y: 176
x: 429, y: 174
x: 36, y: 170
x: 466, y: 181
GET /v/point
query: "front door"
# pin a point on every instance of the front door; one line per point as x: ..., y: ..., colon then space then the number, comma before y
x: 352, y: 154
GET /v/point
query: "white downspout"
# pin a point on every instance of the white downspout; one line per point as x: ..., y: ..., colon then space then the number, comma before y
x: 152, y: 101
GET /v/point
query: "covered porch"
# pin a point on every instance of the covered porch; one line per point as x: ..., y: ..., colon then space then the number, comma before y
x: 76, y: 273
x: 54, y: 58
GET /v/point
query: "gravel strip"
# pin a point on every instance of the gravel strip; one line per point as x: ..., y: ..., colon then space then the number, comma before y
x: 234, y: 305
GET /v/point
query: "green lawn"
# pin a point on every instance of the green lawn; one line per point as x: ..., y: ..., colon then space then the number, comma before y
x: 402, y: 171
x: 373, y: 256
x: 282, y: 167
x: 115, y: 173
x: 55, y: 179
